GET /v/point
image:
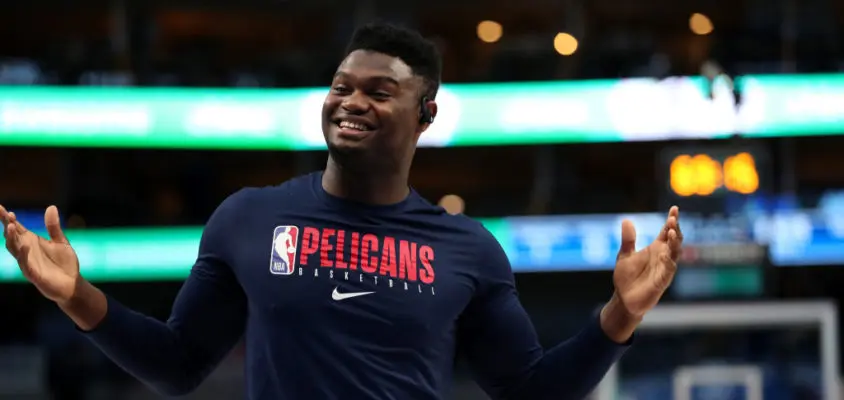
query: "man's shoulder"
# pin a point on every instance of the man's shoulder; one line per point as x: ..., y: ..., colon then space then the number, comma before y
x: 474, y: 239
x: 472, y: 230
x: 252, y: 197
x: 299, y: 185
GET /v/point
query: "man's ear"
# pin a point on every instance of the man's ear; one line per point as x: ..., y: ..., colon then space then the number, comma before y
x: 432, y: 108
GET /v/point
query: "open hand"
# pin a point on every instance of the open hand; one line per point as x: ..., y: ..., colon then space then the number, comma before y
x: 51, y: 265
x: 641, y: 277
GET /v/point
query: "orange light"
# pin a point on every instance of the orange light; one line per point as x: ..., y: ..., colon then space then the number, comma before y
x: 453, y: 204
x: 565, y: 44
x: 701, y: 175
x: 681, y: 176
x: 489, y: 31
x: 695, y: 176
x: 700, y: 24
x: 741, y: 174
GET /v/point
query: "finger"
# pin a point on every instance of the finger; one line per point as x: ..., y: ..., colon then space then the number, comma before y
x: 54, y: 226
x: 675, y: 244
x: 11, y: 218
x: 4, y: 216
x: 628, y: 239
x: 675, y: 212
x: 14, y: 220
x: 13, y: 240
x: 671, y: 222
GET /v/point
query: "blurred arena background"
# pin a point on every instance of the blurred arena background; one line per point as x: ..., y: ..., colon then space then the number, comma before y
x: 558, y: 119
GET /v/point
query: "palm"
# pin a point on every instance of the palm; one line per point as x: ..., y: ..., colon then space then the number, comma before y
x: 641, y: 277
x: 51, y: 265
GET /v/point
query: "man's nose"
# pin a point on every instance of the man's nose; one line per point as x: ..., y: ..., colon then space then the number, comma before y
x: 355, y: 103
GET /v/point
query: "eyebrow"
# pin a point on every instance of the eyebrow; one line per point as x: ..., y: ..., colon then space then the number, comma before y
x: 377, y: 78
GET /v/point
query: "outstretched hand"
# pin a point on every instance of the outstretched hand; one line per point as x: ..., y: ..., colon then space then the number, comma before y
x: 51, y: 265
x: 641, y: 277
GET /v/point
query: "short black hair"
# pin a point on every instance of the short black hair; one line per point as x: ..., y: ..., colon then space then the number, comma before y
x: 420, y: 54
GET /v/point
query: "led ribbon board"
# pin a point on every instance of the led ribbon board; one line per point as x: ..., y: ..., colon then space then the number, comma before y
x: 473, y: 114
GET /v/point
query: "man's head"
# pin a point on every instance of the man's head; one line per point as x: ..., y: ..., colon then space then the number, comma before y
x: 373, y: 111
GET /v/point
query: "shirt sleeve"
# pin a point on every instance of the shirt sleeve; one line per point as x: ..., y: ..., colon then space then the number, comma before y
x: 207, y: 319
x: 503, y: 350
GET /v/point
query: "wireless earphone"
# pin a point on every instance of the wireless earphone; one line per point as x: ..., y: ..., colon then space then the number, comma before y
x: 425, y: 116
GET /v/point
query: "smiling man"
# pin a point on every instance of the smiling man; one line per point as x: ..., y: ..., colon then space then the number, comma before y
x: 346, y: 283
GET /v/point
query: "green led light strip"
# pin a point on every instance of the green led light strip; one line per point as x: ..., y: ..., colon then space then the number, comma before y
x: 144, y: 253
x: 126, y: 254
x: 478, y: 114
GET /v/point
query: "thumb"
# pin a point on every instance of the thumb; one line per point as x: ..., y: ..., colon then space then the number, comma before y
x: 54, y: 227
x: 628, y: 239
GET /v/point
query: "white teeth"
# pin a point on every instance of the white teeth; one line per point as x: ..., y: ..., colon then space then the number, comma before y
x: 353, y: 125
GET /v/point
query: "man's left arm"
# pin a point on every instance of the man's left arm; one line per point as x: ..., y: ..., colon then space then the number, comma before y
x: 501, y: 344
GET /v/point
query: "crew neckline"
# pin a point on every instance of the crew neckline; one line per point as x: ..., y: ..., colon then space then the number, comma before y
x: 335, y: 201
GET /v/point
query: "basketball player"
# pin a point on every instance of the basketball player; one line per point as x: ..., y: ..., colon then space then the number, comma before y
x: 383, y: 287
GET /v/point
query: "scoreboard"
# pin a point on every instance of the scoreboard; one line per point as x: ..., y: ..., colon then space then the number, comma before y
x: 702, y: 174
x: 701, y: 177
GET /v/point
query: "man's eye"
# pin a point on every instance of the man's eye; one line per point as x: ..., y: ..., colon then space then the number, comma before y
x: 340, y: 89
x: 381, y: 95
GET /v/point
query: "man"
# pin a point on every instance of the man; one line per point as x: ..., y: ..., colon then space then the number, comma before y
x: 383, y: 287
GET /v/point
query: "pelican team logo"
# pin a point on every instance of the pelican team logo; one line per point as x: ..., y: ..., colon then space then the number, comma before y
x: 284, y: 251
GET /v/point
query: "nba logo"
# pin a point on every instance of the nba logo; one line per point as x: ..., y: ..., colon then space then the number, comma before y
x: 283, y: 259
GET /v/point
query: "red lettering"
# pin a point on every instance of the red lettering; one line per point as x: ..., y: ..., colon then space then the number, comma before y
x: 324, y: 247
x: 403, y: 260
x: 426, y: 255
x: 369, y: 242
x: 407, y: 260
x: 388, y: 257
x: 310, y: 243
x: 339, y: 249
x: 355, y: 255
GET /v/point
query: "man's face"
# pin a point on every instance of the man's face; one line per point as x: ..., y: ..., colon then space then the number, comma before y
x: 373, y: 108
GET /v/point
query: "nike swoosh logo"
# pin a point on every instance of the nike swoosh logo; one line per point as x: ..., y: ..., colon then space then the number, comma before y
x: 336, y: 295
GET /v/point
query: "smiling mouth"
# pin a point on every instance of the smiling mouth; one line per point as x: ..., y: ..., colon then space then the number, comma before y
x: 353, y: 127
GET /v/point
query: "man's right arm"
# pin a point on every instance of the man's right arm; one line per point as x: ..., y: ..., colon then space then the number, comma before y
x: 208, y: 316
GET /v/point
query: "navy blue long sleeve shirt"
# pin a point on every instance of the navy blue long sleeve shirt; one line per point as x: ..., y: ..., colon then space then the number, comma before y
x: 341, y: 300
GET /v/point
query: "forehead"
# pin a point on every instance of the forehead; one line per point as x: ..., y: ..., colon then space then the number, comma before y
x: 364, y: 64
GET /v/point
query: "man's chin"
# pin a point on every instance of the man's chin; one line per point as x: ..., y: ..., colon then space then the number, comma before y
x: 338, y: 146
x: 351, y: 140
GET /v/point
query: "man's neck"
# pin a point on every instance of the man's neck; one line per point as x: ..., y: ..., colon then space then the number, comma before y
x: 369, y: 187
